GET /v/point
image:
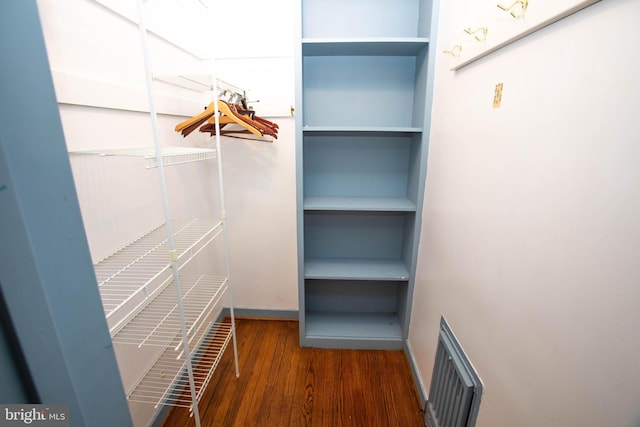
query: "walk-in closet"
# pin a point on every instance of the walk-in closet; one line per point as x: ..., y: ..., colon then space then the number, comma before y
x: 319, y: 213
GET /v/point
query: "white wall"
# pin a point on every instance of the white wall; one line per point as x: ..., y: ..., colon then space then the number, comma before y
x: 531, y: 233
x: 260, y: 199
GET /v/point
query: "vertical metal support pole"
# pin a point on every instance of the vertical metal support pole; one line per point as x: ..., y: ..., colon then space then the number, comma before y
x: 224, y: 227
x: 223, y: 212
x: 167, y: 212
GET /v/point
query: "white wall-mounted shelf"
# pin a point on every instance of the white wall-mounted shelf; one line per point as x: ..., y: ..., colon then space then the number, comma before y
x: 502, y: 29
x: 170, y: 155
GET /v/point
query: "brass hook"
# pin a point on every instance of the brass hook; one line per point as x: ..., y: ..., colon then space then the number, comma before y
x: 455, y: 51
x: 480, y: 37
x: 523, y: 3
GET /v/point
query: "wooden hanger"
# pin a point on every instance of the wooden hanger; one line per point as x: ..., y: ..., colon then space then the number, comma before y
x: 266, y: 122
x: 208, y: 127
x: 208, y: 112
x: 186, y: 131
x: 221, y: 119
x: 263, y: 127
x: 228, y: 114
x: 211, y: 128
x: 252, y: 115
x: 225, y: 109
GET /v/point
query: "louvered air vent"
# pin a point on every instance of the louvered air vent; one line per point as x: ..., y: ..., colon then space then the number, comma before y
x: 454, y: 396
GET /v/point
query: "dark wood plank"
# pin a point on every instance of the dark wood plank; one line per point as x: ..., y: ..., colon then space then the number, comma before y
x: 281, y: 384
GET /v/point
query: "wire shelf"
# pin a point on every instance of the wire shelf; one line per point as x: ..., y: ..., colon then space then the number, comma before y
x: 170, y: 155
x: 158, y: 322
x: 166, y: 382
x: 198, y: 82
x: 143, y: 266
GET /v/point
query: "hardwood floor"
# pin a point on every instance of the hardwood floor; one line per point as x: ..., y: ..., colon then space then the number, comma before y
x: 282, y: 384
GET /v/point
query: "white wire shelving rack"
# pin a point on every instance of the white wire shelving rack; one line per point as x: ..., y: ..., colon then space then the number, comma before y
x: 150, y: 295
x: 152, y: 299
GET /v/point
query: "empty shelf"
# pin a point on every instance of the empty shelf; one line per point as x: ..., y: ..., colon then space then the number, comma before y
x: 143, y: 266
x: 167, y: 383
x: 355, y: 269
x: 359, y: 204
x: 158, y: 322
x: 170, y: 155
x: 362, y: 129
x: 353, y: 330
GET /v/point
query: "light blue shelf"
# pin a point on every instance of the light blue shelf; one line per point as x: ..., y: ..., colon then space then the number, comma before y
x: 362, y: 129
x: 363, y: 46
x: 356, y: 269
x: 354, y: 330
x: 379, y: 204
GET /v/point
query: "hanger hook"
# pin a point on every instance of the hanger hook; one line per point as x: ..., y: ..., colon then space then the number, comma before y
x: 480, y: 37
x: 523, y: 3
x: 454, y: 51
